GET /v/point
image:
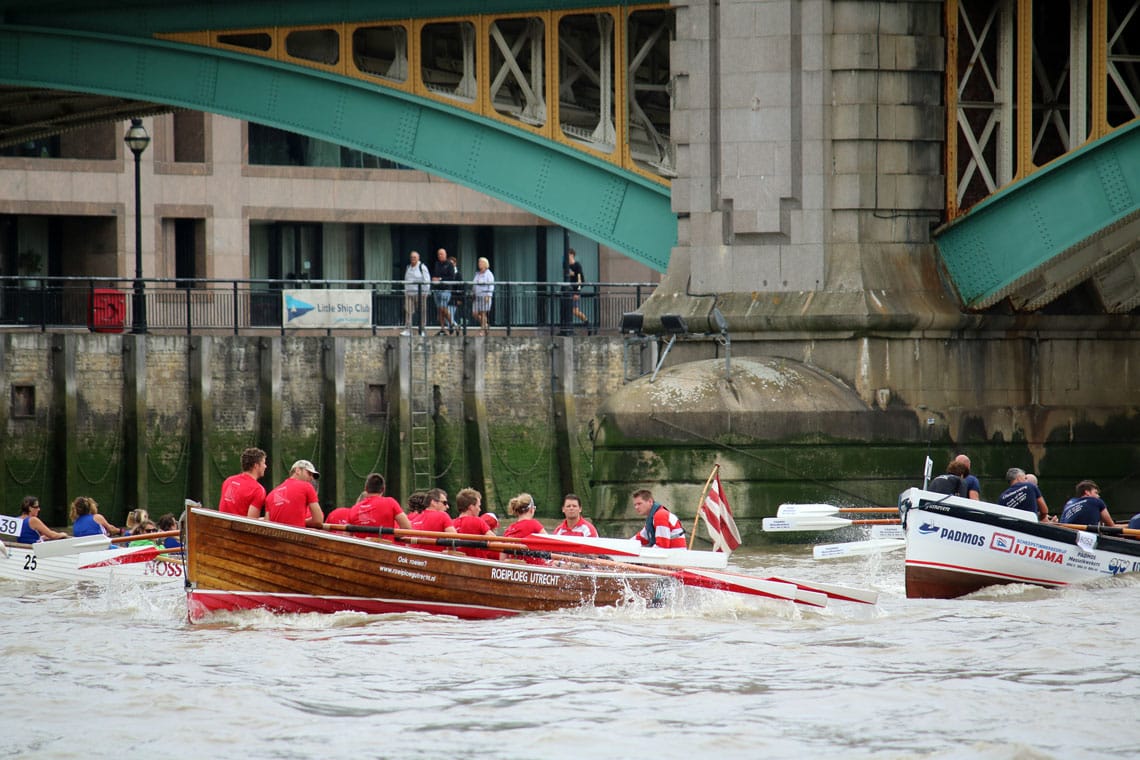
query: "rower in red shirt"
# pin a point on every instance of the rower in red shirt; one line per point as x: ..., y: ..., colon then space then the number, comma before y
x: 294, y: 502
x: 374, y: 508
x: 574, y: 524
x: 662, y: 528
x: 241, y: 493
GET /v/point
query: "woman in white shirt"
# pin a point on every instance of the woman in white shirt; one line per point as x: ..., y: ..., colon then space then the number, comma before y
x: 484, y: 290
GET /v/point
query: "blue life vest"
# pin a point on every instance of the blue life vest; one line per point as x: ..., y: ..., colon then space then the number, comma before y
x: 650, y: 529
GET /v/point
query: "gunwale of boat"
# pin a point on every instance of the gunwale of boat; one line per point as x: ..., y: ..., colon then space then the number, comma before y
x: 231, y: 553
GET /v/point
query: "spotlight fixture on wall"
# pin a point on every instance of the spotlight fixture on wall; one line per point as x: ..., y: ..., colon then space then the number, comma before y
x: 632, y: 322
x: 674, y: 325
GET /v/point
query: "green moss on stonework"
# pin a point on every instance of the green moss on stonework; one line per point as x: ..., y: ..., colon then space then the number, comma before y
x: 522, y: 459
x: 225, y: 456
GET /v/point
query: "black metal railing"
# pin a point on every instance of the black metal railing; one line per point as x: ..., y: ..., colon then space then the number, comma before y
x: 106, y: 304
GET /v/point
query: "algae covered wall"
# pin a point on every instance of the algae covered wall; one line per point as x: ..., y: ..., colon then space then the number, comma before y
x: 550, y: 415
x: 72, y: 428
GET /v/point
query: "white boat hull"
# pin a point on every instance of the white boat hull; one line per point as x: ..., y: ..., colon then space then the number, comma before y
x: 20, y: 563
x: 957, y: 546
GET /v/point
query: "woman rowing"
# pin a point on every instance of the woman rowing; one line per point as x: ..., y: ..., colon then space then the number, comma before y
x: 523, y: 509
x: 32, y: 528
x: 88, y: 521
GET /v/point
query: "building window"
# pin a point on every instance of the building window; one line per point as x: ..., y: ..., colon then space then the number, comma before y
x: 23, y: 401
x: 376, y: 400
x: 269, y: 146
x: 189, y: 137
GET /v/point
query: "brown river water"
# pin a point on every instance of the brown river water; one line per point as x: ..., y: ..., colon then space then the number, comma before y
x: 117, y: 672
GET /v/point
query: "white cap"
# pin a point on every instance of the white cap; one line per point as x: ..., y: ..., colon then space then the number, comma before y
x: 305, y: 464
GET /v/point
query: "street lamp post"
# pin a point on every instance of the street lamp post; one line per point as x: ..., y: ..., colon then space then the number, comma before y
x: 137, y: 139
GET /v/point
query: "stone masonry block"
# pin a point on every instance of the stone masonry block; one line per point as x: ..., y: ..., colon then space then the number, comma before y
x: 853, y: 51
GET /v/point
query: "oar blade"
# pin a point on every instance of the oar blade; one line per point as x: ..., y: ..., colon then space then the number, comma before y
x: 629, y: 551
x: 857, y: 548
x: 126, y: 557
x: 65, y: 546
x: 805, y: 510
x: 888, y: 531
x: 740, y: 584
x: 808, y: 523
x: 835, y: 590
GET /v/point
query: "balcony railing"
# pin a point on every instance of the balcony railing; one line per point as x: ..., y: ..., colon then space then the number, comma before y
x: 198, y: 306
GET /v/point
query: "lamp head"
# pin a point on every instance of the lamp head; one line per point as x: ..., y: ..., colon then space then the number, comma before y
x: 674, y: 324
x: 631, y: 323
x: 137, y: 138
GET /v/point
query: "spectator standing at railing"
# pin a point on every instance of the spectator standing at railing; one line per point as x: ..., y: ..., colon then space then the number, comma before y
x: 442, y: 274
x: 484, y: 288
x: 417, y: 285
x: 575, y: 278
x: 456, y: 295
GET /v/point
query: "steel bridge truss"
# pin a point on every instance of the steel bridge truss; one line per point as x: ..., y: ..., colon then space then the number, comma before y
x: 1014, y: 104
x: 506, y: 68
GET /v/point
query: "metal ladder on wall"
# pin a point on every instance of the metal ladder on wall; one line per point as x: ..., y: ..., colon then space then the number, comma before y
x: 421, y: 403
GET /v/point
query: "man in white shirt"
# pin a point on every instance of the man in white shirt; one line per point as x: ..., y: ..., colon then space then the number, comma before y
x: 417, y: 285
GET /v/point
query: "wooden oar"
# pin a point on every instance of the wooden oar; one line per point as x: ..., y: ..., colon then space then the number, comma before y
x: 629, y: 551
x: 817, y: 523
x: 857, y: 548
x: 709, y: 579
x: 805, y: 510
x: 132, y: 555
x: 82, y: 544
x: 1104, y: 530
x: 741, y: 584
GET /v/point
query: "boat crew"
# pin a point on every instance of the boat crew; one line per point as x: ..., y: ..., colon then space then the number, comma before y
x: 294, y: 502
x: 1086, y: 508
x: 662, y: 528
x: 242, y: 494
x: 523, y: 509
x: 32, y: 528
x: 574, y: 524
x: 88, y: 521
x: 375, y: 509
x: 1023, y: 494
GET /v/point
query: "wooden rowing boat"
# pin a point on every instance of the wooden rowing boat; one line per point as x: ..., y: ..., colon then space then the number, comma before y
x: 21, y: 562
x: 955, y: 546
x: 235, y: 563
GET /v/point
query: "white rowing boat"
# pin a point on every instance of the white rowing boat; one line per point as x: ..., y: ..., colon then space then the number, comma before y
x: 955, y: 546
x: 20, y: 562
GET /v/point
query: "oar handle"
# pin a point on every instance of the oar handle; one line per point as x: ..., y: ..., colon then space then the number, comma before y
x: 1105, y: 530
x: 145, y: 536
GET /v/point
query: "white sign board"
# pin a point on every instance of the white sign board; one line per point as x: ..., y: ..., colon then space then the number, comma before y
x: 326, y: 308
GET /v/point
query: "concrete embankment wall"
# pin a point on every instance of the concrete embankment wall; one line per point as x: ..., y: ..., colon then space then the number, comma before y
x: 152, y: 420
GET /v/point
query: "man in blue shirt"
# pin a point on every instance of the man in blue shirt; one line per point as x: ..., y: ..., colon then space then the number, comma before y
x: 1023, y: 494
x: 973, y: 486
x: 1086, y: 508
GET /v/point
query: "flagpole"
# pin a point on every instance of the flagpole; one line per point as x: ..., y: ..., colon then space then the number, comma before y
x: 701, y: 502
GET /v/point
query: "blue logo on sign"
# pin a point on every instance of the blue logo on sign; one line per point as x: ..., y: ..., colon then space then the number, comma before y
x: 927, y: 528
x: 297, y: 308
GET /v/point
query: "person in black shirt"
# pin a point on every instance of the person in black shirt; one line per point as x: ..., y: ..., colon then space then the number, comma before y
x: 575, y: 277
x: 443, y: 274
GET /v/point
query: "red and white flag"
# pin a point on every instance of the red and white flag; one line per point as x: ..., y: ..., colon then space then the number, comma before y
x: 718, y: 518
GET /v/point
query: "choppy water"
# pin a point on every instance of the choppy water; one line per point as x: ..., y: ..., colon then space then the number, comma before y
x: 1016, y: 673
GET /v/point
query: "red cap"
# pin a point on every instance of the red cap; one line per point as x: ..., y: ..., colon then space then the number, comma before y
x: 490, y: 519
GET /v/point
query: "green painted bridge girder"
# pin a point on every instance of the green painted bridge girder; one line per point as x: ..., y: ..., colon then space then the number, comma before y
x: 619, y: 209
x: 146, y: 18
x: 1010, y: 238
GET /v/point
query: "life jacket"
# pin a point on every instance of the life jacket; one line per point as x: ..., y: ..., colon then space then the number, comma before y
x: 953, y: 485
x: 650, y: 528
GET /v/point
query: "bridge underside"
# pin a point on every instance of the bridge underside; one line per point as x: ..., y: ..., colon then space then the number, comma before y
x: 1072, y: 227
x: 96, y: 77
